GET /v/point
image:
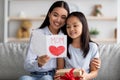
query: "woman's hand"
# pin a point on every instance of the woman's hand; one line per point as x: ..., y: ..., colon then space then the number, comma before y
x: 95, y: 63
x: 56, y: 76
x: 42, y: 60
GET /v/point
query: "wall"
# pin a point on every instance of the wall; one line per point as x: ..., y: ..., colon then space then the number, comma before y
x: 40, y: 7
x: 1, y: 19
x: 30, y: 8
x: 37, y: 8
x: 118, y: 28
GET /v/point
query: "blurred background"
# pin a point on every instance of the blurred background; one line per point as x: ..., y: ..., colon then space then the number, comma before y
x: 103, y: 17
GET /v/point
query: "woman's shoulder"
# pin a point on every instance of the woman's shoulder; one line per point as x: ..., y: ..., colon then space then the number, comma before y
x: 36, y: 31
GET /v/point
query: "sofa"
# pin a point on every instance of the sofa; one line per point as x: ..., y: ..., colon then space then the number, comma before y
x: 12, y: 57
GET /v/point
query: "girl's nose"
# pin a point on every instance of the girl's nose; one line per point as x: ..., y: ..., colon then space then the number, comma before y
x: 71, y: 28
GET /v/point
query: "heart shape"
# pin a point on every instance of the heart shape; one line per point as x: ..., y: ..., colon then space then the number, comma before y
x: 56, y: 51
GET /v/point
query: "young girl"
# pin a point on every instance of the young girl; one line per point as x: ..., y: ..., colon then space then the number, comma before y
x: 81, y: 49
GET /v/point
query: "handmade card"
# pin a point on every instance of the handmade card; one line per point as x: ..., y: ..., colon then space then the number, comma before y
x: 51, y: 45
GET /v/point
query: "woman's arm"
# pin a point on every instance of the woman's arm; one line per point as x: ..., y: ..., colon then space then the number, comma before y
x: 43, y: 60
x: 95, y: 64
x: 94, y: 67
x: 60, y: 65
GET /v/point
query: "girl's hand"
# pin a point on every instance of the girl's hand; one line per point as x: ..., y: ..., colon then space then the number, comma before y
x: 95, y: 63
x: 84, y: 75
x: 42, y: 60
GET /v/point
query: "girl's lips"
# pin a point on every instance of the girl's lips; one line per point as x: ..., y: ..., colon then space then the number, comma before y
x: 72, y: 33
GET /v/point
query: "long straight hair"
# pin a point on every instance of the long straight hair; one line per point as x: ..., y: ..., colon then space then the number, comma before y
x: 85, y: 36
x: 56, y: 4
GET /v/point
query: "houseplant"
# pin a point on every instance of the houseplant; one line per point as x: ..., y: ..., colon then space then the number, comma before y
x: 94, y: 32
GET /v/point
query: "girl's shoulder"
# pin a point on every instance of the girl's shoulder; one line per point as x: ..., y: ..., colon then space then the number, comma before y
x: 93, y: 45
x: 94, y: 50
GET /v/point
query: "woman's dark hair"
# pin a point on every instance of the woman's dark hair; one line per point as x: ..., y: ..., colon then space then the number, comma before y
x: 55, y: 4
x: 85, y: 36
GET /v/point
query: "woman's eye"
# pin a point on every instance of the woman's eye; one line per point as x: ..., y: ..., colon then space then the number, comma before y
x: 63, y: 17
x: 55, y: 15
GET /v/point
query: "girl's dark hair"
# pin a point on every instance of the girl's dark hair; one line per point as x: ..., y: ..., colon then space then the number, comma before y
x: 54, y: 5
x: 85, y: 36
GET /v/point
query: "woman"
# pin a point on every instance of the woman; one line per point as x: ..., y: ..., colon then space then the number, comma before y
x: 43, y: 67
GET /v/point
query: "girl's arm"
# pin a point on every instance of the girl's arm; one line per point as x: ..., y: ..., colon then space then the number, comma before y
x: 60, y: 63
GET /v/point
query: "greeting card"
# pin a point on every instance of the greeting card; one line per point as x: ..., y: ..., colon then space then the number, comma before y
x: 51, y: 45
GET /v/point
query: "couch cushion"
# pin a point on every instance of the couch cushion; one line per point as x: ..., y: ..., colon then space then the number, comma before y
x: 11, y: 60
x: 12, y: 57
x: 110, y: 57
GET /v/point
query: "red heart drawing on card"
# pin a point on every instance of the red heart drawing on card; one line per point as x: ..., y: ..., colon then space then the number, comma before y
x: 56, y: 51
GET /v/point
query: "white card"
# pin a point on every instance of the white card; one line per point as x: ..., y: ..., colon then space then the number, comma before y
x: 51, y: 45
x: 38, y: 43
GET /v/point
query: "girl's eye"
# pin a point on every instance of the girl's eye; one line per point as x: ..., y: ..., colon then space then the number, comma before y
x: 67, y: 26
x: 75, y: 25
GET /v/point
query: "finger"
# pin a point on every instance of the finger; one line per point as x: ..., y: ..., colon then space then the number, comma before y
x: 96, y: 62
x: 84, y: 78
x: 44, y: 56
x: 81, y: 78
x: 41, y: 60
x: 82, y: 70
x: 57, y: 77
x: 47, y: 57
x: 96, y: 58
x: 98, y: 67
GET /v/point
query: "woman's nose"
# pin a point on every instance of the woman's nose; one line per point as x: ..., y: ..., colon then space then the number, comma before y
x: 58, y: 19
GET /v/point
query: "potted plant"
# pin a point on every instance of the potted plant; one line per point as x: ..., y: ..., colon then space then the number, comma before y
x: 94, y: 32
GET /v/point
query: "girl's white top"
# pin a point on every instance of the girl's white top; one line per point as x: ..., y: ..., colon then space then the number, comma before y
x: 78, y: 61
